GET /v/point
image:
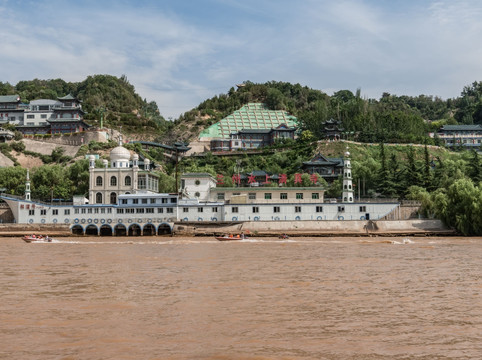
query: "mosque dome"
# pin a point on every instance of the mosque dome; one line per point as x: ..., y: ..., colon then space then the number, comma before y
x: 120, y: 153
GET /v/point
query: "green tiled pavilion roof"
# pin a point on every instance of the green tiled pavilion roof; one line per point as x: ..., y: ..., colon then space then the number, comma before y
x: 250, y: 116
x: 9, y: 98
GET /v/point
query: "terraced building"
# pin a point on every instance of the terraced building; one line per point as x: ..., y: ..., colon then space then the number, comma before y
x: 252, y: 126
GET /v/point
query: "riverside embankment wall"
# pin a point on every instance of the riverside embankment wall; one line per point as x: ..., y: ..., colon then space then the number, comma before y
x: 319, y: 228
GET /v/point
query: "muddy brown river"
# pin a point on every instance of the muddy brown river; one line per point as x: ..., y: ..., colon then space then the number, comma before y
x: 197, y: 298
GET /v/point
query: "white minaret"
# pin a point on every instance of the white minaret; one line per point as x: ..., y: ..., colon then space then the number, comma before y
x: 347, y: 180
x: 27, y: 186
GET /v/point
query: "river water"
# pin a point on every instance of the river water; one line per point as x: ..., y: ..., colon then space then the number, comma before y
x: 196, y: 298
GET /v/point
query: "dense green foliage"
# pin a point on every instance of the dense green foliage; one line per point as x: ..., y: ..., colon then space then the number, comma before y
x: 390, y: 119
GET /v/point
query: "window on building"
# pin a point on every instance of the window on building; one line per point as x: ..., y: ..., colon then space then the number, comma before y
x: 297, y: 209
x: 113, y: 198
x: 341, y: 209
x: 186, y: 210
x: 252, y: 196
x: 299, y: 196
x: 135, y: 201
x: 276, y: 209
x: 315, y: 196
x: 173, y: 201
x: 140, y: 211
x: 67, y: 212
x: 98, y: 198
x: 98, y: 181
x: 113, y: 181
x: 197, y: 182
x: 255, y: 209
x: 102, y: 211
x: 150, y: 211
x: 160, y: 210
x: 43, y: 116
x: 144, y: 201
x: 89, y: 211
x: 120, y: 211
x: 164, y: 200
x: 215, y: 209
x: 153, y: 201
x: 169, y: 210
x: 31, y: 212
x: 267, y: 196
x: 124, y: 201
x: 234, y: 209
x: 30, y: 116
x: 363, y: 209
x: 283, y: 196
x: 127, y: 181
x: 319, y: 209
x: 76, y: 211
x: 43, y: 212
x: 220, y: 196
x: 82, y: 211
x: 200, y: 209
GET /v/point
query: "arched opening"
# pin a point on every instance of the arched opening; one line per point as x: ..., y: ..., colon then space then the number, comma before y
x: 98, y: 181
x: 113, y: 198
x: 149, y: 230
x: 164, y: 229
x: 77, y: 230
x: 120, y: 230
x: 128, y: 181
x: 91, y: 230
x: 134, y: 230
x: 105, y: 230
x: 113, y: 181
x: 98, y: 198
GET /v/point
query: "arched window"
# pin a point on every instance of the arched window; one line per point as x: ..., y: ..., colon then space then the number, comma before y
x: 98, y: 198
x: 98, y: 181
x: 345, y: 186
x: 113, y: 198
x: 127, y: 181
x: 344, y: 199
x: 113, y: 181
x: 351, y: 199
x: 349, y: 187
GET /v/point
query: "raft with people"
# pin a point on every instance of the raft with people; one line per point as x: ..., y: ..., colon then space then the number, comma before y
x: 231, y: 237
x: 36, y: 238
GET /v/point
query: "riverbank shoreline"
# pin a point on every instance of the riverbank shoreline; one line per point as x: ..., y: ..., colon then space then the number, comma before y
x: 381, y: 228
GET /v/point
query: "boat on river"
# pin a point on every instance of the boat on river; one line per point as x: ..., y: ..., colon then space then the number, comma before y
x: 230, y: 237
x: 37, y: 238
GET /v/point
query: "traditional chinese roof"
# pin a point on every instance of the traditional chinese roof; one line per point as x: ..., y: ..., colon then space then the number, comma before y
x: 9, y: 99
x: 320, y: 160
x: 67, y: 97
x: 250, y: 116
x: 67, y: 120
x: 461, y: 128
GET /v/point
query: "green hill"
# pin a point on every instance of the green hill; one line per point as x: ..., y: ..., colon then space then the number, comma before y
x: 102, y: 95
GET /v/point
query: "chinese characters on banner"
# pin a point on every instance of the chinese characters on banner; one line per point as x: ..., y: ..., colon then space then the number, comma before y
x: 282, y: 179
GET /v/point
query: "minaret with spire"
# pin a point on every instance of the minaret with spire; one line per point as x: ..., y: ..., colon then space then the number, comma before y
x: 27, y: 186
x: 347, y: 179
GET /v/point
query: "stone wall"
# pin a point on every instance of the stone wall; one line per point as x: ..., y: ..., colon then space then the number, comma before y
x: 317, y: 228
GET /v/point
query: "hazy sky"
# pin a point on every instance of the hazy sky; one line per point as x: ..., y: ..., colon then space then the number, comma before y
x: 179, y: 52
